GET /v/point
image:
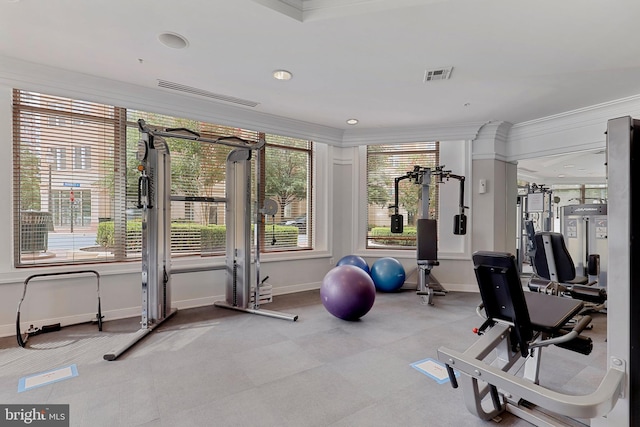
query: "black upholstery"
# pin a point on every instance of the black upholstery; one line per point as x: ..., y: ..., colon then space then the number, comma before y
x: 502, y: 294
x: 565, y: 269
x: 531, y: 231
x: 427, y: 240
x: 504, y: 299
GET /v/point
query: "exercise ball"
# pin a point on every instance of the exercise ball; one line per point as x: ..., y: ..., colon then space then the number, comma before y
x: 388, y: 274
x: 347, y: 292
x: 354, y: 260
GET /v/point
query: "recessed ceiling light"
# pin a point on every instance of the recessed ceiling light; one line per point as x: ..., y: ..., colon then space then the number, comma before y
x: 561, y: 175
x: 569, y: 166
x: 352, y: 121
x: 173, y: 40
x: 282, y: 75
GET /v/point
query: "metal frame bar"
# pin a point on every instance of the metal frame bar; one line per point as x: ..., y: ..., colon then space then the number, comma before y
x: 23, y: 341
x: 154, y: 198
x: 238, y: 220
x: 551, y: 262
x: 596, y: 404
x: 183, y: 133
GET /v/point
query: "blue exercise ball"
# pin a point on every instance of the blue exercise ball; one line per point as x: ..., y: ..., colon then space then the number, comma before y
x: 354, y: 260
x: 388, y: 274
x: 347, y: 292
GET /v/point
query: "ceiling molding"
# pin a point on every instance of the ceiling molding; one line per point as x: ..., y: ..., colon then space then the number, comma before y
x: 397, y: 135
x: 307, y: 10
x: 294, y: 10
x: 580, y: 112
x: 491, y: 141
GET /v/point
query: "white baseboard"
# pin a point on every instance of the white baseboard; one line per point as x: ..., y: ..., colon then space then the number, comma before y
x: 10, y: 329
x: 291, y: 289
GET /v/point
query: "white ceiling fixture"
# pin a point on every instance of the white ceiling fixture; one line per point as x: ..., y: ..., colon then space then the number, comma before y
x: 352, y: 122
x: 442, y: 73
x: 282, y: 75
x: 173, y: 40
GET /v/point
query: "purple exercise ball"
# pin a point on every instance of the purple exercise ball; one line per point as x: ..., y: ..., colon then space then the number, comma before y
x: 347, y: 292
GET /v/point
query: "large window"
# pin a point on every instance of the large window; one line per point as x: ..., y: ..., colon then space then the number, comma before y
x: 75, y: 184
x: 384, y: 164
x: 287, y: 166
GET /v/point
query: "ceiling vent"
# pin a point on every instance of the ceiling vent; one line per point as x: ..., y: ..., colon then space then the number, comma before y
x: 201, y: 92
x: 437, y: 74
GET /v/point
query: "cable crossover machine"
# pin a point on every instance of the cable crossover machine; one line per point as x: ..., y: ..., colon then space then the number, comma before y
x: 154, y: 199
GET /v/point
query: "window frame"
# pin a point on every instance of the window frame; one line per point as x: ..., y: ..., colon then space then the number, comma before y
x: 47, y: 163
x: 380, y: 239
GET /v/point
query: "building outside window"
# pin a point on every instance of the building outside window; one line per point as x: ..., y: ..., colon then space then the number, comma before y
x: 68, y: 178
x: 384, y: 164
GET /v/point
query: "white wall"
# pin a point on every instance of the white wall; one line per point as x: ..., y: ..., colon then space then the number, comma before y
x: 340, y: 196
x: 572, y: 131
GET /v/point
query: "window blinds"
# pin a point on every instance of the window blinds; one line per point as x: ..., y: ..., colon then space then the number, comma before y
x: 384, y: 164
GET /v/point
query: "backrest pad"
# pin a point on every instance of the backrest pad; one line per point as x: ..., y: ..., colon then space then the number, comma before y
x: 502, y: 294
x: 565, y: 269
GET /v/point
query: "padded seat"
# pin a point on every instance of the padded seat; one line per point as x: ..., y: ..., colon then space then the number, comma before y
x: 550, y: 313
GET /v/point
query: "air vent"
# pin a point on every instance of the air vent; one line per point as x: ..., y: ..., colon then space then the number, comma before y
x: 201, y: 92
x: 437, y: 74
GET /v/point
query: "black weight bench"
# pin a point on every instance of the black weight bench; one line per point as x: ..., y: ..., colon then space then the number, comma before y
x: 517, y: 326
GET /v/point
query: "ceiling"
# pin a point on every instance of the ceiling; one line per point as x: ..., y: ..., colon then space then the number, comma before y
x: 584, y: 167
x: 366, y: 59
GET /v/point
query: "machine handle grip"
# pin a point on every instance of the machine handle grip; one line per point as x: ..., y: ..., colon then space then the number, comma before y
x: 452, y: 376
x: 139, y: 205
x: 183, y: 130
x: 582, y: 324
x: 143, y: 185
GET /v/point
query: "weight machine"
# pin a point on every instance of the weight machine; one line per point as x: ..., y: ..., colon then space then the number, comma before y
x: 616, y: 401
x: 517, y: 327
x: 154, y: 199
x: 238, y: 242
x: 584, y: 228
x: 426, y: 228
x: 535, y: 212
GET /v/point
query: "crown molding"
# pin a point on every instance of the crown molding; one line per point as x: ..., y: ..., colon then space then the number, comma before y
x: 398, y: 135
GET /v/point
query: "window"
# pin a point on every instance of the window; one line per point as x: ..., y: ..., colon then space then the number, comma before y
x: 287, y: 166
x: 59, y: 158
x: 57, y: 206
x: 384, y: 164
x: 75, y: 184
x: 81, y: 157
